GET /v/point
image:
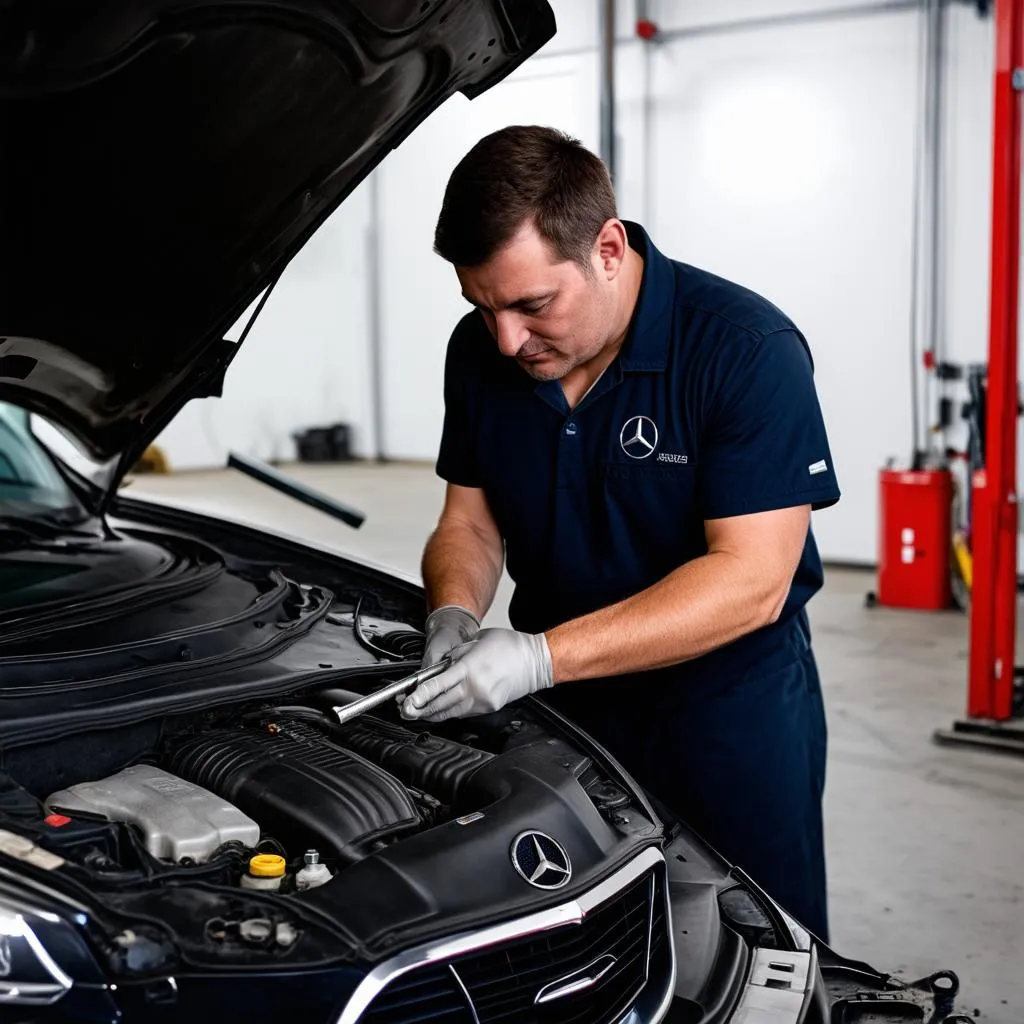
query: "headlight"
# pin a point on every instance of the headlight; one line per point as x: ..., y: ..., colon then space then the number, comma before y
x: 28, y: 974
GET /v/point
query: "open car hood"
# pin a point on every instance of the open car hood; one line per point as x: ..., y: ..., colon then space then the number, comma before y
x: 163, y: 161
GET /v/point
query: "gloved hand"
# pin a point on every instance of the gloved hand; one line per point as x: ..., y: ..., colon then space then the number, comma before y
x: 497, y: 667
x: 447, y: 627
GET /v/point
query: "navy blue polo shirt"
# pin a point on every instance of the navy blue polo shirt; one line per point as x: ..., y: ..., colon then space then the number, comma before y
x: 708, y: 411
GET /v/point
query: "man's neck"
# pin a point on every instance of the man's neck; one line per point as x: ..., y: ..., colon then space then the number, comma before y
x: 577, y: 383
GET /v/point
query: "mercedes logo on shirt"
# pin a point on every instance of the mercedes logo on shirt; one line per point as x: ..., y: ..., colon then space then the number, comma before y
x: 540, y: 860
x: 639, y: 437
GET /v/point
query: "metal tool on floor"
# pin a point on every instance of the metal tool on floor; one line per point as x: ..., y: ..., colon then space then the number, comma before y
x: 346, y: 712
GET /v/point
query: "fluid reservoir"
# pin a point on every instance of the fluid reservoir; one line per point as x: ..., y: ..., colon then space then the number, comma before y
x: 266, y: 871
x: 313, y: 873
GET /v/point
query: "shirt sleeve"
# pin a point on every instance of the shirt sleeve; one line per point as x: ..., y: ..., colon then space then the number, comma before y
x: 765, y: 445
x: 457, y: 455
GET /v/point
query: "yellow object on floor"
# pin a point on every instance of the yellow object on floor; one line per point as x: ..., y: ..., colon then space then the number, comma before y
x: 152, y: 460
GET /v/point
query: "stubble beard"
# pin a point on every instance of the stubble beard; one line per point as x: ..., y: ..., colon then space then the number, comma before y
x: 557, y: 372
x: 564, y: 364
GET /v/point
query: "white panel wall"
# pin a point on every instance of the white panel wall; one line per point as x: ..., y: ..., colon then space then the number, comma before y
x: 305, y: 362
x: 783, y: 159
x: 689, y: 14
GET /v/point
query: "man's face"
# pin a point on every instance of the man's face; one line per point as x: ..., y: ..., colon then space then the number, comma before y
x: 549, y: 316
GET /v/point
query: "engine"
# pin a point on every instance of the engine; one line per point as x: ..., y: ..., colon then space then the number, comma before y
x: 306, y: 790
x: 255, y: 834
x: 275, y: 785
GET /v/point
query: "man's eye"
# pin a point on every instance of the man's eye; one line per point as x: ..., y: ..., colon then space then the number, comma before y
x: 535, y: 309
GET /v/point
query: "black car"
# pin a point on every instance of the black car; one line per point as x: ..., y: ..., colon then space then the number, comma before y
x: 189, y: 830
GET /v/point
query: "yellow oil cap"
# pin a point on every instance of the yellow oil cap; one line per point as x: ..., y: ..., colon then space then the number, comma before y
x: 266, y: 865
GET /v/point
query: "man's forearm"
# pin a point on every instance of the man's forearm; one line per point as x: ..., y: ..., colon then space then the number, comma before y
x: 703, y: 605
x: 462, y: 566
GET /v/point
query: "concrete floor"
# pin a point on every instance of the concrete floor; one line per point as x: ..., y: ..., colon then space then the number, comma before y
x: 926, y: 844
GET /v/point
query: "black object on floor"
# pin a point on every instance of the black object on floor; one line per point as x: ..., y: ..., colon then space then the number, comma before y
x: 325, y: 444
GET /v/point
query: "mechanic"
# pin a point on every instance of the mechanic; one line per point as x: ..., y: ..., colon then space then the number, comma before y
x: 642, y: 441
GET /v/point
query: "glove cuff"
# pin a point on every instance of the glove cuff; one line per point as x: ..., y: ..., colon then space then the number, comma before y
x: 449, y: 609
x: 546, y: 673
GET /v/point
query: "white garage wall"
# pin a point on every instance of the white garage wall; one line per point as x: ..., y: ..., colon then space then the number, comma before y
x: 305, y: 362
x: 779, y: 156
x: 689, y: 14
x: 783, y: 159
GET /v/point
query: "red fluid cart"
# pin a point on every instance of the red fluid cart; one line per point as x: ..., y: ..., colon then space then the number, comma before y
x: 914, y: 538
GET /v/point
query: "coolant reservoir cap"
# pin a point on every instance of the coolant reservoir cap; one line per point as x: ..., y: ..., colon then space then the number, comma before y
x: 266, y: 865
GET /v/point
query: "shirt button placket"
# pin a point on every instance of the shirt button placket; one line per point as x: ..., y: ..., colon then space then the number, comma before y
x: 571, y: 473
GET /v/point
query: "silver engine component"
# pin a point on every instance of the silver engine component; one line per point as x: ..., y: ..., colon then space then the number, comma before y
x: 177, y: 818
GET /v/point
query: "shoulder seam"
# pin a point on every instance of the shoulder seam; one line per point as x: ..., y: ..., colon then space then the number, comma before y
x: 759, y: 334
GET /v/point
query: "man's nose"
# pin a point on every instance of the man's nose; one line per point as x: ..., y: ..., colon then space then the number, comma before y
x: 511, y: 333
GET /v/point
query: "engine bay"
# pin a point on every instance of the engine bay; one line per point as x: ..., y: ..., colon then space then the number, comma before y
x: 226, y: 786
x: 173, y: 772
x: 280, y: 802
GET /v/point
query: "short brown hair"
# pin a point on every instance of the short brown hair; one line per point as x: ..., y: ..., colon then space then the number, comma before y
x: 520, y: 173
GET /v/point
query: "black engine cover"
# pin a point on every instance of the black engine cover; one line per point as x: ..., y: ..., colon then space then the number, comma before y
x: 301, y: 788
x: 434, y: 764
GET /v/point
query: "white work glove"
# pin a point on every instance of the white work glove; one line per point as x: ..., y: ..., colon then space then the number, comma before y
x: 497, y: 667
x: 448, y: 627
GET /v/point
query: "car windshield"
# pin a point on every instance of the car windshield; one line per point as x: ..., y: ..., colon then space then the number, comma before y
x: 30, y: 485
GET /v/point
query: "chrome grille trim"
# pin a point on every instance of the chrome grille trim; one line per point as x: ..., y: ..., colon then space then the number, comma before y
x: 465, y: 993
x: 665, y: 1003
x: 571, y: 912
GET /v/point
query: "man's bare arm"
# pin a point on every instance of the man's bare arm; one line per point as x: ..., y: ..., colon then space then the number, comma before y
x: 464, y: 556
x: 740, y: 585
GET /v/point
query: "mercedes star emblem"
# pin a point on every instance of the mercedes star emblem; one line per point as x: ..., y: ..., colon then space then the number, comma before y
x: 639, y: 437
x: 540, y: 860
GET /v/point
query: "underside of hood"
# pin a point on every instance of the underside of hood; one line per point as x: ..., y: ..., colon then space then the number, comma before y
x: 162, y: 161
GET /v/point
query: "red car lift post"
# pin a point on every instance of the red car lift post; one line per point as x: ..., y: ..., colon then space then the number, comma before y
x: 994, y: 702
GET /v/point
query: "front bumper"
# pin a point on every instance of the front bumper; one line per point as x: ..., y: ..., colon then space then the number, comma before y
x: 608, y: 952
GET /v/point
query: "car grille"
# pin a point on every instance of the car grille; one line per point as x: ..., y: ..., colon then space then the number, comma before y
x: 624, y: 940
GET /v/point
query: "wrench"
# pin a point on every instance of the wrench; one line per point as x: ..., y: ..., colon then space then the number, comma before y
x: 346, y: 712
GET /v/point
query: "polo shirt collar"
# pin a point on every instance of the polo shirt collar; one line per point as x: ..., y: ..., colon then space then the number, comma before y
x: 647, y: 341
x: 645, y: 349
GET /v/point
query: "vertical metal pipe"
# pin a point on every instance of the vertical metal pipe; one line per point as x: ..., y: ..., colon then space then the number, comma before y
x: 916, y: 245
x: 643, y: 14
x: 932, y: 339
x: 607, y: 93
x: 936, y: 73
x: 375, y: 298
x: 927, y: 257
x: 926, y: 336
x: 648, y: 149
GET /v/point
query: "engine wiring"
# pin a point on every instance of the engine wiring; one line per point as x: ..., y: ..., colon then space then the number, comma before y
x: 407, y: 641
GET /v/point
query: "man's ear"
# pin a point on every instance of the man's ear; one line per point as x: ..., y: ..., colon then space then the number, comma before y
x: 611, y: 248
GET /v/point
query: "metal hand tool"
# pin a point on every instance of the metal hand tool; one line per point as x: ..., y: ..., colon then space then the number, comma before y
x: 346, y: 712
